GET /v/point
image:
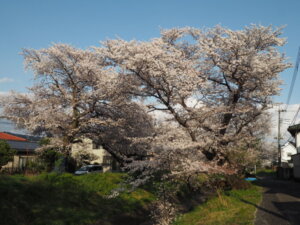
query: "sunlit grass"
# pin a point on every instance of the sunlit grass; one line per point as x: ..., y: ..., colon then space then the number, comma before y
x: 235, y: 207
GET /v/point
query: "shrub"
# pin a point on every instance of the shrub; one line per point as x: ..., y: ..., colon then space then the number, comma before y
x: 6, y: 153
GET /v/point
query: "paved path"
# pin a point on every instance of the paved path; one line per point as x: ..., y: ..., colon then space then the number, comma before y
x: 280, y: 204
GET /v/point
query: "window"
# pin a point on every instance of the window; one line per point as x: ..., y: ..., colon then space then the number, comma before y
x: 107, y: 159
x: 24, y: 160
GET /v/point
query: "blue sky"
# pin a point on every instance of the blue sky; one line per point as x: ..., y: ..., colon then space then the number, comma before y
x: 37, y: 24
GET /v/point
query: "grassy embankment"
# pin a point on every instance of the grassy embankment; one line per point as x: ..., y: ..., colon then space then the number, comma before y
x: 52, y: 199
x: 235, y: 207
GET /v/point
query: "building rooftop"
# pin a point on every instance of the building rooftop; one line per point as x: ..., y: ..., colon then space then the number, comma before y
x: 23, y: 146
x: 294, y: 129
x: 9, y: 137
x: 25, y: 136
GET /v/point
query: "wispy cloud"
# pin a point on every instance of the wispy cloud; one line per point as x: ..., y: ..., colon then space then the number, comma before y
x: 3, y: 93
x: 6, y: 80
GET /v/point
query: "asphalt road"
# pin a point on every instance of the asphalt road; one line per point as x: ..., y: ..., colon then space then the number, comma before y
x: 280, y: 204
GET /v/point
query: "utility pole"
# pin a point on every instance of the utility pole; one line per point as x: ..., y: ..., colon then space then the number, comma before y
x: 279, y: 136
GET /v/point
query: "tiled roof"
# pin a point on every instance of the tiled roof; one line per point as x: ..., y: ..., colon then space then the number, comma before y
x: 23, y: 146
x: 27, y: 137
x: 294, y: 129
x: 9, y: 137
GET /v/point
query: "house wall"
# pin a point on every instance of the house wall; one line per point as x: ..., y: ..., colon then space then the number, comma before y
x: 19, y: 161
x: 296, y: 162
x: 287, y: 151
x: 296, y: 158
x: 25, y: 152
x: 104, y: 158
x: 297, y: 138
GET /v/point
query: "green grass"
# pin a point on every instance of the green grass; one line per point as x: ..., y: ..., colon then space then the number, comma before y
x: 266, y: 173
x: 52, y: 199
x: 235, y: 207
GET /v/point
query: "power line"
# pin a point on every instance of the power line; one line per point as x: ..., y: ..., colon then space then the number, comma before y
x: 292, y: 123
x: 295, y: 117
x: 291, y: 91
x: 293, y: 79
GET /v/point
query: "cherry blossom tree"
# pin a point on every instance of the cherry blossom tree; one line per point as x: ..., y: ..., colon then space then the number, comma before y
x: 84, y: 157
x: 216, y: 83
x: 76, y: 95
x: 213, y: 87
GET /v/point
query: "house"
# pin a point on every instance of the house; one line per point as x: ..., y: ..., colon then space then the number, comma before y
x: 287, y: 150
x: 295, y: 132
x: 25, y: 147
x: 103, y: 157
x: 25, y: 150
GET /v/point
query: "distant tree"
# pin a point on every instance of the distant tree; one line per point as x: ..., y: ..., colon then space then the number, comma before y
x: 84, y: 157
x: 6, y: 153
x: 268, y: 154
x: 47, y: 155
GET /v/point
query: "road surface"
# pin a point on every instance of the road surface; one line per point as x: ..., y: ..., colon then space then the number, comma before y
x: 280, y: 204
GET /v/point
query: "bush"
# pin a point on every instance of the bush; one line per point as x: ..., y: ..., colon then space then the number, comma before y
x: 237, y: 183
x: 48, y: 157
x: 228, y: 182
x: 6, y: 153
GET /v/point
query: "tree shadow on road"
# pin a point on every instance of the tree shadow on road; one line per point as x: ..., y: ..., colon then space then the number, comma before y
x: 281, y: 199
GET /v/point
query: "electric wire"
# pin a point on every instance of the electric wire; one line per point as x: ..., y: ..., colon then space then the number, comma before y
x: 291, y: 92
x: 293, y: 79
x: 295, y: 117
